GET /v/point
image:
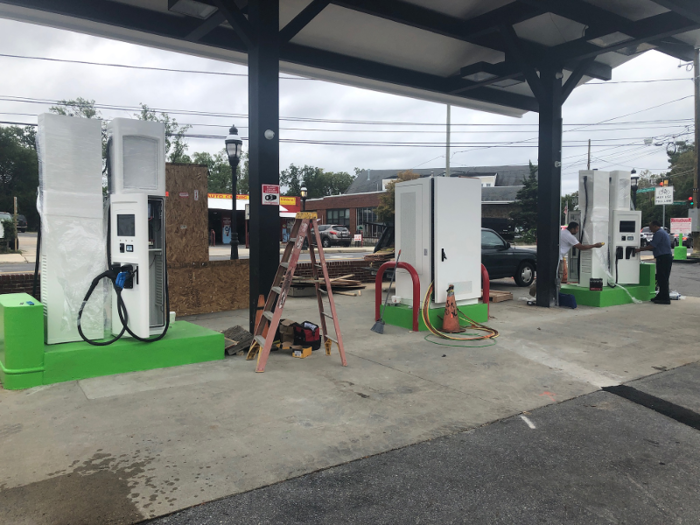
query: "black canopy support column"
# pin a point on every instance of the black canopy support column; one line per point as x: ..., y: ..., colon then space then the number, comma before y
x: 549, y: 185
x: 263, y: 118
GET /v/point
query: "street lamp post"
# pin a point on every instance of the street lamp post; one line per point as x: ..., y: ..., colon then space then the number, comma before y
x: 304, y: 194
x: 234, y: 148
x: 635, y: 185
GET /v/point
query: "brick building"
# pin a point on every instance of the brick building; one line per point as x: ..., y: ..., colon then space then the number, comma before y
x: 350, y: 210
x: 358, y: 205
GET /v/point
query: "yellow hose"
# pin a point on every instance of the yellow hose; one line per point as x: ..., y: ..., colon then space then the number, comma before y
x: 491, y: 333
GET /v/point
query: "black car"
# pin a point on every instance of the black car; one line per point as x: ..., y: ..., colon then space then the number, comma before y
x: 21, y: 223
x: 503, y: 260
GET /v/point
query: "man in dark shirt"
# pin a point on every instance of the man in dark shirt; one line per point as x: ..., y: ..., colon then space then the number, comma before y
x: 661, y: 245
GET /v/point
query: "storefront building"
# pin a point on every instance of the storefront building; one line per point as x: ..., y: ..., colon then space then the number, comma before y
x: 220, y: 214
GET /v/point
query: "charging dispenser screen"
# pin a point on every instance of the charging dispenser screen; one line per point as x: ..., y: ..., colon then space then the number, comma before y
x: 627, y: 226
x: 126, y: 225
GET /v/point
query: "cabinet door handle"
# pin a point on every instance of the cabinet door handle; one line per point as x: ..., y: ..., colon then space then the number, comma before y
x: 444, y: 257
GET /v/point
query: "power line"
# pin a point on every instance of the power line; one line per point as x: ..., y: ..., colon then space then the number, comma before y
x: 223, y: 73
x: 145, y: 68
x: 29, y: 100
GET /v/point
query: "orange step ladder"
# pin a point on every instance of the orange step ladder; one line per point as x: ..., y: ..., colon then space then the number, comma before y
x: 305, y: 228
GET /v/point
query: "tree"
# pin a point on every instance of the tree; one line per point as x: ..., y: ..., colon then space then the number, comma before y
x: 80, y: 107
x: 19, y: 173
x: 318, y: 183
x: 681, y: 159
x: 387, y: 200
x: 219, y: 179
x: 175, y: 145
x: 525, y: 213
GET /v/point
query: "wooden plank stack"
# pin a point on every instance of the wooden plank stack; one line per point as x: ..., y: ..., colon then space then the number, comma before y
x: 341, y: 285
x: 375, y: 260
x: 497, y: 296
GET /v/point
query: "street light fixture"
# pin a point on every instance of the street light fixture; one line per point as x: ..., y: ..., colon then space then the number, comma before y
x: 304, y: 194
x: 234, y: 148
x: 635, y: 185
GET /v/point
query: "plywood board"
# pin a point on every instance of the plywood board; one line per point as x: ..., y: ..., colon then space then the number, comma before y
x: 215, y: 286
x: 186, y: 214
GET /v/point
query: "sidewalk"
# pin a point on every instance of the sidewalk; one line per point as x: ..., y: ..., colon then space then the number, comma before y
x: 138, y: 445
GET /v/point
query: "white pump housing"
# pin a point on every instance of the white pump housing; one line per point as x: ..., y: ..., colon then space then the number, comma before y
x: 604, y: 201
x: 137, y: 221
x: 438, y: 230
x: 594, y: 203
x: 72, y: 225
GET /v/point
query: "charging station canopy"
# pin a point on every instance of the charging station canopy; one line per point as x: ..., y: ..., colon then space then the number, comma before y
x: 468, y: 53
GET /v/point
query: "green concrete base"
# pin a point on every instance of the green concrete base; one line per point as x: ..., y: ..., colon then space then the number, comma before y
x: 680, y: 253
x: 401, y: 315
x: 25, y: 361
x: 644, y: 291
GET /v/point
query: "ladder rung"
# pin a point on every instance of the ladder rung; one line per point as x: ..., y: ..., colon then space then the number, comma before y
x: 327, y: 315
x: 328, y: 337
x: 323, y: 291
x: 318, y: 265
x: 292, y: 240
x: 260, y: 340
x: 284, y: 264
x: 268, y: 315
x: 277, y: 290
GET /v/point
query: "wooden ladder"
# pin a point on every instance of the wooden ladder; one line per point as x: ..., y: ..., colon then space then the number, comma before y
x: 305, y: 228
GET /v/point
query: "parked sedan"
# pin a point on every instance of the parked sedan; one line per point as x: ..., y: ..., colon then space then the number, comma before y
x: 503, y: 260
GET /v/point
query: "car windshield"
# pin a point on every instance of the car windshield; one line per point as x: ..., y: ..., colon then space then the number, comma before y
x: 323, y: 227
x: 5, y: 216
x: 490, y: 240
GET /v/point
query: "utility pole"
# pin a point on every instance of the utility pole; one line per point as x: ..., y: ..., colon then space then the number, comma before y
x: 447, y: 152
x: 589, y: 155
x: 696, y: 185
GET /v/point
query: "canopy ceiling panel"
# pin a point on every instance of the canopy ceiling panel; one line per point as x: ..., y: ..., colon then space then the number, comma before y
x: 469, y: 53
x: 391, y: 43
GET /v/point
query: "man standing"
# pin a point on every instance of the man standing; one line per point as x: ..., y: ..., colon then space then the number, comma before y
x: 661, y: 246
x: 568, y: 240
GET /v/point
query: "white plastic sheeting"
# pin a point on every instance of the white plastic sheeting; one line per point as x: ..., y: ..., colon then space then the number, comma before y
x: 594, y: 202
x: 73, y: 234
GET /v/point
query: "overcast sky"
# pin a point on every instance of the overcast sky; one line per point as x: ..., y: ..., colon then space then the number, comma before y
x: 617, y: 145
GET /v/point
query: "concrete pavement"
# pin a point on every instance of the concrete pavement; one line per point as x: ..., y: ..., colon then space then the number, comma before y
x: 145, y: 444
x: 598, y: 458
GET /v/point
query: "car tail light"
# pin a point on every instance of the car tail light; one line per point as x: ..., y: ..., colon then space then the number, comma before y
x: 333, y: 232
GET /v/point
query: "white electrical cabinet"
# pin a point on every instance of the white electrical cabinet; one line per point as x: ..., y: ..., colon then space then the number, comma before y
x: 625, y: 238
x: 594, y: 203
x: 438, y: 230
x: 73, y: 245
x: 137, y: 222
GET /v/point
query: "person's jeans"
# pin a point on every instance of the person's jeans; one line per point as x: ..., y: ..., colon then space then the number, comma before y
x: 663, y: 272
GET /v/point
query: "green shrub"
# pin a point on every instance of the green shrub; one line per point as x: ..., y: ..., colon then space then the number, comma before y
x: 10, y: 234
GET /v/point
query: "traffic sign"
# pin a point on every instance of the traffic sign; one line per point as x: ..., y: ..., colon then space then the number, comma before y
x: 664, y: 195
x: 646, y: 190
x: 681, y: 225
x: 271, y: 194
